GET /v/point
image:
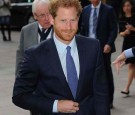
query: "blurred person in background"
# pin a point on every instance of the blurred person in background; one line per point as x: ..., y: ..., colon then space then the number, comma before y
x: 5, y: 19
x: 133, y: 5
x: 98, y: 21
x: 36, y: 32
x: 127, y: 31
x: 116, y: 5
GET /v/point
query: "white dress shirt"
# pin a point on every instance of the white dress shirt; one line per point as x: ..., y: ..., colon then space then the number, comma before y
x: 91, y: 34
x: 61, y: 48
x: 128, y: 53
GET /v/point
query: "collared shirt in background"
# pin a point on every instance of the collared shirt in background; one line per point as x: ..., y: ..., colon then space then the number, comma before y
x: 91, y: 34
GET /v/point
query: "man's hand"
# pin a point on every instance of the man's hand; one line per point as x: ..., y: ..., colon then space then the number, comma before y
x: 107, y: 48
x: 119, y: 61
x: 67, y: 106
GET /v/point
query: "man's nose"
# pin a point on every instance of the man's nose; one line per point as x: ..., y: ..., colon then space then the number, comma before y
x: 69, y: 25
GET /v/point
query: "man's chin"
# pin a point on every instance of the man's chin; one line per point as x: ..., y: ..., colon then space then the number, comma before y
x: 46, y: 26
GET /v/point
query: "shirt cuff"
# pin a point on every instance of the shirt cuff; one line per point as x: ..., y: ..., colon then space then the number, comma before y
x: 55, y: 110
x: 128, y: 53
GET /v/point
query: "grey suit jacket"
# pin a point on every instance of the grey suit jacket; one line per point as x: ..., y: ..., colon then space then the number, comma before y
x: 28, y: 38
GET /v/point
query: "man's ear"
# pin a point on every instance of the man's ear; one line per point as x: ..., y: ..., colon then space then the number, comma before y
x: 51, y: 20
x: 35, y: 17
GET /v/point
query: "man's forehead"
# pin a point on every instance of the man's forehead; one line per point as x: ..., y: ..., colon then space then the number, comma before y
x: 61, y: 9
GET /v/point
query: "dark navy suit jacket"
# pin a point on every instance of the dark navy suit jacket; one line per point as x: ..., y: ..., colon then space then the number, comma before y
x: 106, y: 30
x: 41, y: 79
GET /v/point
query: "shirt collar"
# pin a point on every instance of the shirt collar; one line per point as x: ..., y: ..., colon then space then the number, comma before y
x: 40, y: 27
x: 61, y: 47
x: 98, y: 6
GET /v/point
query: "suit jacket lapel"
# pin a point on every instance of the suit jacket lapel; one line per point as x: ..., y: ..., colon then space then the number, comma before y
x: 100, y: 14
x: 35, y: 33
x: 88, y: 12
x: 82, y: 61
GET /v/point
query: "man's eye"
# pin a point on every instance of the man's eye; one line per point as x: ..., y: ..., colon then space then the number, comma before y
x: 63, y: 20
x: 73, y: 20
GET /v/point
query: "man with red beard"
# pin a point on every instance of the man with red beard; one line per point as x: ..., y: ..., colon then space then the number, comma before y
x: 64, y: 74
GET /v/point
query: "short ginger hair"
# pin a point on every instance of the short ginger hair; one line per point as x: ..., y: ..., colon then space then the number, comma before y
x: 55, y: 4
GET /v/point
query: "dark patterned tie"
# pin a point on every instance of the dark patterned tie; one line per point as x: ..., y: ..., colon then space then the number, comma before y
x: 42, y: 34
x: 94, y: 20
x: 71, y: 72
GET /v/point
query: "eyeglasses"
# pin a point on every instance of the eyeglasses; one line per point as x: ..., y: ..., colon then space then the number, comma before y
x: 43, y: 15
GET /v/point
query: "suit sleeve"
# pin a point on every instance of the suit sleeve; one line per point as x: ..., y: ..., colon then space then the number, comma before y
x: 20, y: 52
x: 100, y: 85
x: 113, y: 26
x: 81, y: 24
x: 25, y: 85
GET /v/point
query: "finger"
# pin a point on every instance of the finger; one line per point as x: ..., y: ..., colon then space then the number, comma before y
x: 75, y: 108
x: 117, y: 67
x: 115, y: 61
x: 122, y: 64
x: 76, y: 104
x: 72, y: 111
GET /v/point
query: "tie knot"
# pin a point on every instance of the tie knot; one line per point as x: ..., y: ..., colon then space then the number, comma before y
x: 95, y: 10
x: 43, y: 30
x: 68, y: 48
